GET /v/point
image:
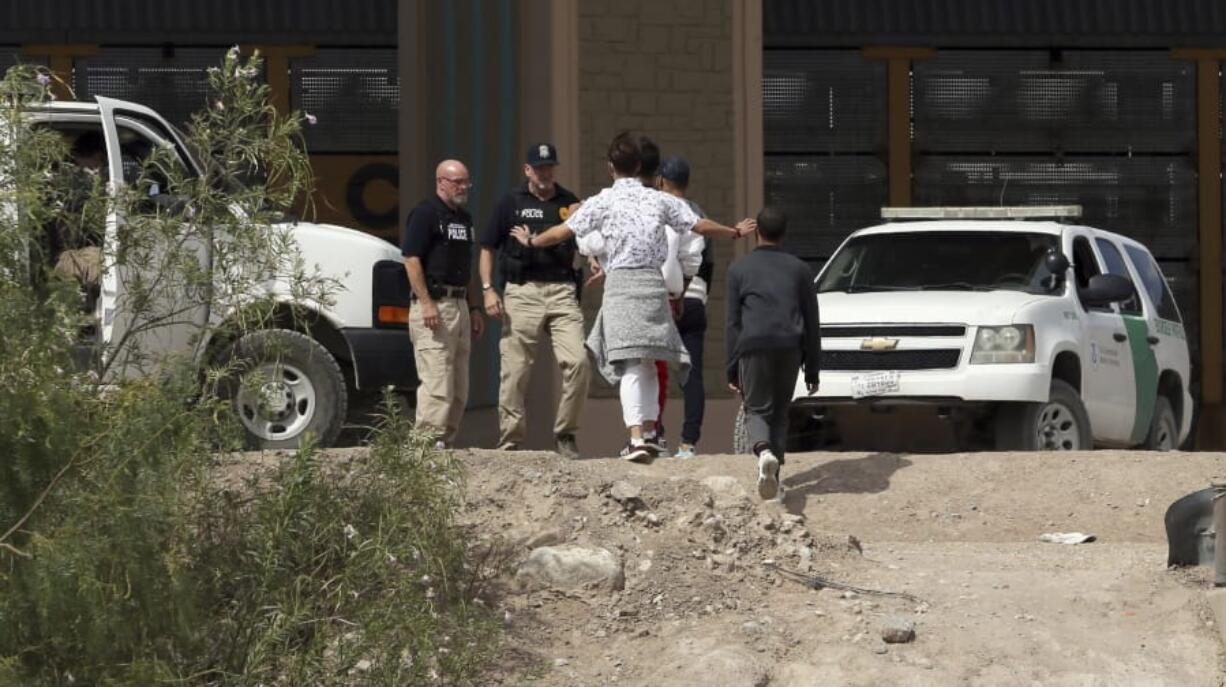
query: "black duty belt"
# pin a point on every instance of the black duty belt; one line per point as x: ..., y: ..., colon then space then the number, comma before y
x: 437, y: 292
x: 550, y: 276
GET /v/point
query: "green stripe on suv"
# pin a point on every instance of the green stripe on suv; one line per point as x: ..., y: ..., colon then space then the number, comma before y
x: 1145, y: 372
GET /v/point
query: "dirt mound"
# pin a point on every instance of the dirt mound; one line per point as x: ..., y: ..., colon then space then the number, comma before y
x: 702, y: 599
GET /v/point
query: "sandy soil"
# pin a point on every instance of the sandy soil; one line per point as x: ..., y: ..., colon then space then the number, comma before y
x: 993, y: 605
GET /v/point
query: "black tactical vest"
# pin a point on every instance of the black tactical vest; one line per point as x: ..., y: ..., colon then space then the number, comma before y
x: 555, y: 263
x: 448, y: 262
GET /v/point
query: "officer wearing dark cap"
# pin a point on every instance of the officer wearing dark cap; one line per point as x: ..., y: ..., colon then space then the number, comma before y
x: 540, y: 296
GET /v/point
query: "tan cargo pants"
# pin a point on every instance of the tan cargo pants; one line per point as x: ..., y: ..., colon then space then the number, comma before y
x: 532, y: 308
x: 442, y: 366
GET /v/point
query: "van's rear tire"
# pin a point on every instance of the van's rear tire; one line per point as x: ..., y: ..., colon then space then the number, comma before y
x: 1059, y: 424
x: 1163, y: 429
x: 284, y: 386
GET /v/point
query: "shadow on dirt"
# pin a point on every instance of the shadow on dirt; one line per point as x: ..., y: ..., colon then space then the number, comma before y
x: 866, y: 475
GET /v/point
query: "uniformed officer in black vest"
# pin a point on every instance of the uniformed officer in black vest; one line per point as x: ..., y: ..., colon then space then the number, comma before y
x: 445, y: 315
x: 541, y: 295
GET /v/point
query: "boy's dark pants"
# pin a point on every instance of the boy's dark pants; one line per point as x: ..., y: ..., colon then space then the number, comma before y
x: 768, y: 380
x: 693, y: 327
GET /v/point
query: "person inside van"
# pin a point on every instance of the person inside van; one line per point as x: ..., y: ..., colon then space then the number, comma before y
x: 79, y: 199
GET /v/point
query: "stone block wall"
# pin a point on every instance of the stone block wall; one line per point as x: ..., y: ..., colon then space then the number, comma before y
x: 663, y: 69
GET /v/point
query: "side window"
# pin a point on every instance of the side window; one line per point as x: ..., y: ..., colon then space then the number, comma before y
x: 1085, y: 265
x: 1154, y: 283
x: 136, y: 145
x: 1115, y: 265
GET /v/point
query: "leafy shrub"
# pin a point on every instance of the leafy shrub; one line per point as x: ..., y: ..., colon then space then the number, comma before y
x: 127, y: 554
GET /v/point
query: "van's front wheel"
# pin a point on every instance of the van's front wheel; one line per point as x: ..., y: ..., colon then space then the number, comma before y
x: 1059, y: 424
x: 285, y: 385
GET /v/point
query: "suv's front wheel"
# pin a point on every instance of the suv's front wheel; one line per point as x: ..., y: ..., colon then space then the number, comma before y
x: 1059, y: 424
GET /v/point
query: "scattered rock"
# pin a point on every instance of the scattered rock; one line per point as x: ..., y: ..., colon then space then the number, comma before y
x: 897, y: 629
x: 550, y: 537
x: 628, y: 495
x: 571, y: 567
x: 714, y: 525
x: 767, y: 523
x: 623, y: 491
x: 726, y: 490
x: 560, y: 663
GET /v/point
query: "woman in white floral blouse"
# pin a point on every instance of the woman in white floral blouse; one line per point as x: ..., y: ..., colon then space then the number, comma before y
x: 635, y: 326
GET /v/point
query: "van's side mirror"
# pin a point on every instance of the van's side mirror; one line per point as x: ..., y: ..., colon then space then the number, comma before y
x: 1105, y: 289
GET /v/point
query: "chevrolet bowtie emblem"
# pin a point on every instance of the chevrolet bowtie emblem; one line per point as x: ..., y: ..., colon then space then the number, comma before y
x: 878, y: 343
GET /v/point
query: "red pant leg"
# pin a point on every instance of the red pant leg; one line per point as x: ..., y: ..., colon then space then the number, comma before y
x: 662, y: 373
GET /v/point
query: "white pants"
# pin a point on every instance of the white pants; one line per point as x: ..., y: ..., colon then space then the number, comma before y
x: 640, y: 393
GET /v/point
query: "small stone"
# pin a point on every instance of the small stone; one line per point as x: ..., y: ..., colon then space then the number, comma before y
x: 560, y: 663
x: 897, y: 630
x: 880, y: 648
x: 550, y: 537
x: 362, y: 666
x: 924, y: 663
x: 623, y: 491
x: 626, y: 613
x: 725, y: 490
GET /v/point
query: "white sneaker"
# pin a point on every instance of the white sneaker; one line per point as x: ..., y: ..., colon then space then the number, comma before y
x: 768, y: 475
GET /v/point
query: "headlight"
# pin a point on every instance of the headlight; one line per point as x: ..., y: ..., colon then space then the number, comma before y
x: 1008, y: 344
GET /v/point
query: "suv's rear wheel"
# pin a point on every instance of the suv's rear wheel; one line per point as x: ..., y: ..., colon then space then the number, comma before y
x: 284, y: 385
x: 1059, y: 424
x: 1164, y: 429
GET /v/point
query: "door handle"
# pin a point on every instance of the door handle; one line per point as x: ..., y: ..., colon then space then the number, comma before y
x: 1119, y: 337
x: 1153, y: 340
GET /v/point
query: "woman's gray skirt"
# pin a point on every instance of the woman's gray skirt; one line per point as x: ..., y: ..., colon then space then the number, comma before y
x: 635, y: 323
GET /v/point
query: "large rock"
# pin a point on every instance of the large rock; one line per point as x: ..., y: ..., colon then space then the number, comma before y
x: 628, y: 495
x: 897, y: 629
x: 726, y: 489
x: 571, y: 567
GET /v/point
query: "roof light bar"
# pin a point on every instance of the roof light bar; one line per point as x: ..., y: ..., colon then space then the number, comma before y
x: 1017, y: 212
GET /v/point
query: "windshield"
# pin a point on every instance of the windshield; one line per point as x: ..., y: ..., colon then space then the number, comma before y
x: 942, y: 261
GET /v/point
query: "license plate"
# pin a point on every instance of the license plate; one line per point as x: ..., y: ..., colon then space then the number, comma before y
x: 874, y: 384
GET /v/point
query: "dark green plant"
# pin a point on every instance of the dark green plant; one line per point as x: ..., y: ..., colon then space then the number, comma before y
x: 126, y: 555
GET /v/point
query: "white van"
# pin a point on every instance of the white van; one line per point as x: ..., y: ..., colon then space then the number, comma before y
x: 323, y: 353
x: 998, y: 330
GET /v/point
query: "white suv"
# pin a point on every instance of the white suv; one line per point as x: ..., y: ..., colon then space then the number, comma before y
x: 995, y: 331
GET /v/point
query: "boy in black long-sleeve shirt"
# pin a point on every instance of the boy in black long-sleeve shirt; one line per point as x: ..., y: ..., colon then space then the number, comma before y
x: 772, y: 332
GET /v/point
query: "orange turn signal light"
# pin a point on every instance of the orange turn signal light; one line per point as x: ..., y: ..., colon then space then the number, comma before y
x: 391, y: 314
